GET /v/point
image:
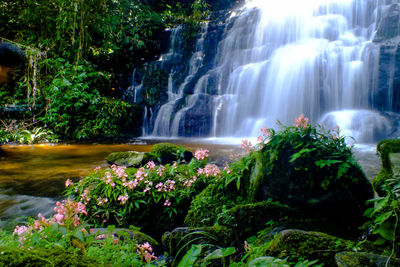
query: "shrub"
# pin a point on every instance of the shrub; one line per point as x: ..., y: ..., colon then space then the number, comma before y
x: 145, y: 197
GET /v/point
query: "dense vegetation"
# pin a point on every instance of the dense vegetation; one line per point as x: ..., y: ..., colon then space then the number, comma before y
x: 222, y: 209
x: 77, y: 56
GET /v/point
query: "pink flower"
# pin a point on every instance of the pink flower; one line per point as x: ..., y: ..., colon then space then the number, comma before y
x: 19, y: 230
x: 150, y: 165
x: 167, y: 203
x: 68, y: 183
x: 301, y: 121
x: 160, y: 170
x: 246, y: 145
x: 123, y: 199
x: 102, y: 236
x: 265, y: 131
x: 59, y: 218
x: 201, y: 154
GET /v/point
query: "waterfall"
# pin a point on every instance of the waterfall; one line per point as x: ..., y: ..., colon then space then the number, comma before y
x: 276, y: 60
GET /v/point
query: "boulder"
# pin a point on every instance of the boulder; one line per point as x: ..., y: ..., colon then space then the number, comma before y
x: 355, y: 259
x: 388, y: 26
x: 296, y: 244
x: 248, y: 219
x: 342, y: 200
x: 121, y: 233
x: 168, y: 153
x: 128, y: 159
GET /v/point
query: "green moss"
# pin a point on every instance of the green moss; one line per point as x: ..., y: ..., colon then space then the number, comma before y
x: 43, y: 257
x: 168, y: 153
x: 246, y: 220
x: 128, y: 159
x: 355, y: 259
x: 257, y: 175
x: 206, y: 206
x: 297, y: 245
x: 384, y: 148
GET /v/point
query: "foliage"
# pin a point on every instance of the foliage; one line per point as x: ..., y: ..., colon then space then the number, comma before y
x: 74, y: 48
x: 194, y: 256
x: 65, y: 236
x: 384, y: 217
x: 144, y: 197
x: 75, y: 109
x: 22, y: 133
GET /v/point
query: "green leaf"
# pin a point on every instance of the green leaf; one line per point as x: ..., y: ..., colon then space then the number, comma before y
x: 386, y: 230
x: 267, y: 261
x: 190, y: 256
x: 220, y: 253
x: 79, y: 234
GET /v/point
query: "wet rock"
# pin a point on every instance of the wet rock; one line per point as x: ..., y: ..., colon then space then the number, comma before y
x: 248, y: 219
x: 355, y: 259
x: 296, y: 244
x: 342, y: 201
x: 121, y: 233
x: 388, y: 23
x: 168, y: 153
x: 127, y: 159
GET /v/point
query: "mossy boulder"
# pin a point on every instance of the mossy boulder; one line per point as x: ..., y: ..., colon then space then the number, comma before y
x: 182, y: 238
x: 168, y: 153
x: 385, y: 148
x: 248, y: 219
x: 317, y: 192
x: 128, y: 159
x: 356, y: 259
x: 133, y: 234
x: 213, y: 200
x: 43, y: 257
x: 298, y: 245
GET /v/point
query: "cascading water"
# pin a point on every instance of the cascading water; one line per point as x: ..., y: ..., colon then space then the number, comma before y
x: 279, y: 59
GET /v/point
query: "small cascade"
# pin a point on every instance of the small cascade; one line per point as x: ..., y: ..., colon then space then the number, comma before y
x: 167, y: 121
x: 273, y: 60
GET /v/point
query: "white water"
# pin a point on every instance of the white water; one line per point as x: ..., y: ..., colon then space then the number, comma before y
x: 279, y: 59
x: 297, y: 57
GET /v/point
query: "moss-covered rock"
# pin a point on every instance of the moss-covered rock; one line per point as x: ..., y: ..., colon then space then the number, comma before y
x: 168, y: 153
x: 314, y: 191
x: 180, y: 239
x: 127, y: 159
x: 213, y: 200
x: 299, y: 245
x: 43, y: 257
x: 385, y: 148
x: 356, y: 259
x: 248, y: 219
x: 133, y: 234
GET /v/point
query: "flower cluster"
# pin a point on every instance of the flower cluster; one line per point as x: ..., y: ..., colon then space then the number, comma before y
x: 246, y: 145
x: 188, y: 183
x: 66, y: 214
x: 301, y: 122
x: 146, y: 252
x: 123, y: 199
x: 210, y: 170
x: 201, y: 154
x: 168, y: 186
